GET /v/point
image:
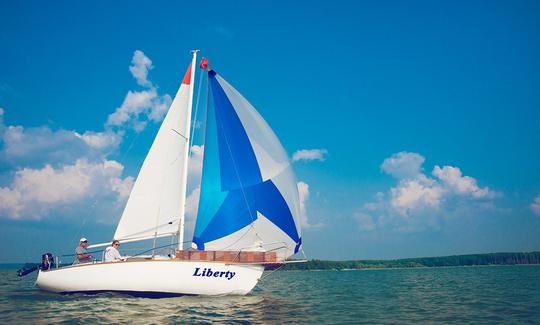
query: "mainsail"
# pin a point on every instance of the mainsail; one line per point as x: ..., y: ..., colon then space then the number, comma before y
x: 155, y: 207
x: 249, y: 197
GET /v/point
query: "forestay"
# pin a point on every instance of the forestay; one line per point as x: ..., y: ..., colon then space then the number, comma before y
x: 249, y: 197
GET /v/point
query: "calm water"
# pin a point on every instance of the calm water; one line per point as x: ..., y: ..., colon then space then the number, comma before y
x: 475, y: 295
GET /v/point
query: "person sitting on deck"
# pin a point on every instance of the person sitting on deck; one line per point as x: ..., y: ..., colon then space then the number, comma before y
x: 112, y: 254
x: 81, y: 254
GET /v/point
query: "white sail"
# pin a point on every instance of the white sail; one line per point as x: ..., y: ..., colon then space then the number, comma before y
x: 156, y: 203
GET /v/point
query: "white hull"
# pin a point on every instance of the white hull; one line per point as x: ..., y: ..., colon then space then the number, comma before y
x: 153, y: 278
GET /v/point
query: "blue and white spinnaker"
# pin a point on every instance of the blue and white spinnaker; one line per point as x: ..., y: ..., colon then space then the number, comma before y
x: 249, y: 197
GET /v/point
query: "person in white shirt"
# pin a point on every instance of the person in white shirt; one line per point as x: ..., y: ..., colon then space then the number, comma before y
x: 112, y: 254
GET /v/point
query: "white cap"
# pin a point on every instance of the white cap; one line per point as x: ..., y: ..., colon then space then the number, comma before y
x: 83, y: 239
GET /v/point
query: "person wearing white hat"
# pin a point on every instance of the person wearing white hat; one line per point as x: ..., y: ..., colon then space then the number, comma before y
x: 81, y: 253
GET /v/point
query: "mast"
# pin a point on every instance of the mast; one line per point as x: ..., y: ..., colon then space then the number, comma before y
x: 186, y: 153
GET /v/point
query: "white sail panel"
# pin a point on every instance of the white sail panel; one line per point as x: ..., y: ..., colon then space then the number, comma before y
x: 262, y: 235
x: 271, y: 156
x: 155, y: 204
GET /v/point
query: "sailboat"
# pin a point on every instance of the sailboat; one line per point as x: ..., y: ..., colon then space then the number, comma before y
x: 248, y: 214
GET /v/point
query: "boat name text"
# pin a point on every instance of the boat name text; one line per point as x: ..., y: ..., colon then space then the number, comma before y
x: 207, y: 272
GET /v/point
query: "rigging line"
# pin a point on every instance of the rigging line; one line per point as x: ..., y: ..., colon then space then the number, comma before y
x: 84, y: 220
x: 241, y: 237
x: 303, y: 253
x: 193, y: 123
x: 154, y: 248
x: 92, y: 207
x: 150, y: 229
x: 130, y: 147
x: 272, y: 272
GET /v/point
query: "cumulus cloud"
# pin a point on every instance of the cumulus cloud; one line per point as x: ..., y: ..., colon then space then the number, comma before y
x: 140, y: 65
x: 403, y: 165
x: 462, y: 185
x: 50, y: 171
x: 34, y: 193
x: 36, y: 146
x: 192, y: 204
x: 419, y: 201
x: 310, y: 154
x: 413, y: 194
x: 535, y: 206
x: 142, y: 106
x: 138, y: 107
x: 303, y: 195
x: 101, y: 140
x: 194, y: 181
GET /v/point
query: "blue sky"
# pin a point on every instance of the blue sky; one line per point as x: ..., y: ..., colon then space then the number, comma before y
x: 423, y: 118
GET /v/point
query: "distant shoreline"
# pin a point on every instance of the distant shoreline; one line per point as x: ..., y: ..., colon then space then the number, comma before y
x: 489, y: 259
x: 404, y: 268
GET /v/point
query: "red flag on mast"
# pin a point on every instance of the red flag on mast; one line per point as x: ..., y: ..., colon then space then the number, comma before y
x: 203, y: 64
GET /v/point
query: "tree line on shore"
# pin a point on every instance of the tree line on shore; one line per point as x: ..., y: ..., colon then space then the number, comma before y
x: 456, y: 260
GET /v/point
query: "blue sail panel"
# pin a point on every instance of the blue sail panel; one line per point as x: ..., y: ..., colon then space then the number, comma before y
x: 270, y: 202
x: 232, y: 216
x: 211, y: 196
x: 233, y: 193
x: 238, y: 164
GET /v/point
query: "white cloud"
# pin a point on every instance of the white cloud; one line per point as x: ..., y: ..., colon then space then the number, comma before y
x: 463, y: 185
x: 535, y: 206
x: 403, y: 165
x: 414, y: 194
x: 195, y: 167
x: 192, y: 204
x: 142, y: 106
x: 60, y: 172
x: 101, y: 140
x: 418, y: 201
x: 34, y: 147
x: 140, y: 65
x: 303, y: 194
x: 122, y: 187
x: 35, y: 193
x: 139, y: 106
x: 310, y: 154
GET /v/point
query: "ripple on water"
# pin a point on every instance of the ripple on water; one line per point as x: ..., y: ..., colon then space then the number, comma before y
x: 479, y: 295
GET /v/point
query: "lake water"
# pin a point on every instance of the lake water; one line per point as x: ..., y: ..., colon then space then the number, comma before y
x: 474, y: 295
